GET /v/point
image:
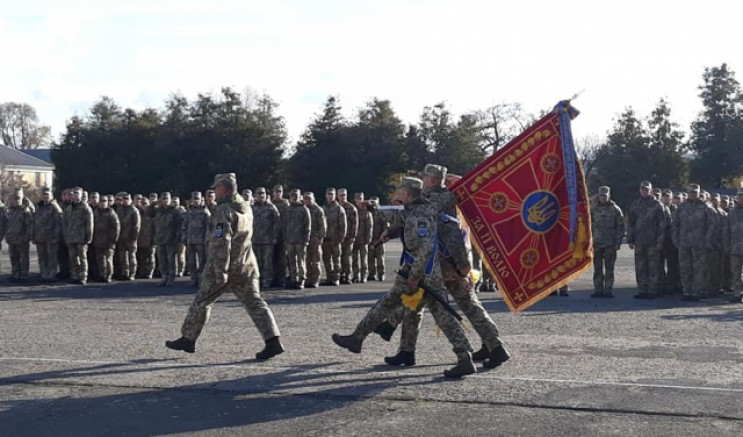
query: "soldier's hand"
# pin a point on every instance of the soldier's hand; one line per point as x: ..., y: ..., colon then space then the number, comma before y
x: 631, y: 246
x: 220, y: 278
x: 465, y: 271
x: 412, y: 283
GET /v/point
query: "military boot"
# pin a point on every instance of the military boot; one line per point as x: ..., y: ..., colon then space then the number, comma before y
x: 497, y: 356
x: 182, y: 344
x: 597, y: 293
x: 170, y: 280
x: 465, y: 366
x: 401, y: 359
x: 385, y: 330
x: 273, y: 348
x: 163, y: 282
x: 481, y: 355
x: 350, y: 342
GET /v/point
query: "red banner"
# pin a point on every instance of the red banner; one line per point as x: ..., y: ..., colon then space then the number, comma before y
x: 517, y: 207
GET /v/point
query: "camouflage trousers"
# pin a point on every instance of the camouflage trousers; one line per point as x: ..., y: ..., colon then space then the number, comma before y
x: 93, y: 273
x: 714, y: 270
x: 127, y: 259
x: 646, y: 268
x: 693, y: 267
x: 63, y: 260
x: 668, y: 269
x: 104, y: 259
x: 314, y: 255
x: 331, y: 259
x: 195, y: 258
x: 19, y: 259
x: 376, y: 260
x: 279, y: 263
x: 146, y: 261
x: 264, y: 257
x: 392, y: 302
x: 346, y: 258
x: 78, y: 254
x: 180, y: 259
x: 47, y: 253
x: 296, y: 255
x: 603, y: 268
x: 166, y: 257
x: 736, y: 270
x: 247, y: 290
x: 727, y: 273
x: 360, y: 263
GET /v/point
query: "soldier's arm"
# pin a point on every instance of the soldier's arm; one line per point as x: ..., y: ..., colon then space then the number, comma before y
x: 31, y: 224
x: 631, y: 226
x: 88, y: 225
x: 306, y: 225
x: 342, y: 224
x: 660, y: 223
x: 114, y: 228
x: 422, y: 245
x: 620, y: 225
x: 726, y: 234
x: 275, y: 223
x: 220, y: 243
x: 370, y: 230
x: 322, y: 224
x: 3, y: 223
x: 184, y: 229
x: 711, y: 221
x: 137, y: 222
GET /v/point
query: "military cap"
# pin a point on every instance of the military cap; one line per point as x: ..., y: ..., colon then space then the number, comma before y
x: 330, y: 190
x: 684, y: 195
x: 260, y: 190
x: 716, y: 196
x: 358, y: 196
x: 18, y: 192
x: 309, y: 194
x: 342, y: 191
x: 247, y: 191
x: 437, y: 171
x: 121, y: 194
x: 278, y: 187
x: 739, y: 192
x: 138, y: 196
x: 221, y: 178
x: 604, y: 190
x: 209, y: 191
x: 45, y: 190
x: 296, y: 191
x: 657, y: 191
x: 67, y: 191
x: 196, y: 194
x: 646, y: 184
x: 678, y: 195
x: 694, y: 187
x: 165, y: 194
x: 408, y: 182
x: 76, y: 190
x: 725, y: 198
x: 667, y: 192
x: 153, y: 195
x: 374, y: 200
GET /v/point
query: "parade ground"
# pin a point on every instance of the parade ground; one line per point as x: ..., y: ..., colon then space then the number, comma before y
x: 90, y: 360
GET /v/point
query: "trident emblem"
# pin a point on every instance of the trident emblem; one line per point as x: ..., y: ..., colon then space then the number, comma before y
x: 541, y: 211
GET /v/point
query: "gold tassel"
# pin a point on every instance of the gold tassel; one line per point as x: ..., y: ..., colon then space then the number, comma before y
x: 578, y: 248
x: 412, y: 301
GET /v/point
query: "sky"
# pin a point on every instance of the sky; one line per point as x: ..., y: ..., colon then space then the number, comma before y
x: 62, y: 56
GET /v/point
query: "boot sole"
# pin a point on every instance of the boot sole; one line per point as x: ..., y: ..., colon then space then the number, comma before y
x: 351, y: 349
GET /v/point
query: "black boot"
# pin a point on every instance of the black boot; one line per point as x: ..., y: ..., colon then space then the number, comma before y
x: 182, y: 344
x: 348, y: 342
x: 401, y: 359
x: 465, y: 366
x: 497, y: 357
x: 273, y: 348
x: 597, y: 294
x: 481, y: 355
x: 385, y: 330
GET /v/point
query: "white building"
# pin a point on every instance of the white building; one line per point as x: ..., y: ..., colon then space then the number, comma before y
x: 17, y: 169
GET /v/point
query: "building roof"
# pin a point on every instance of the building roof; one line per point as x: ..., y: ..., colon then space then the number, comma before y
x: 42, y: 154
x: 13, y: 157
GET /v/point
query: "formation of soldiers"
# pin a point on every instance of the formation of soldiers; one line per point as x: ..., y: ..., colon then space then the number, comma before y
x: 684, y: 243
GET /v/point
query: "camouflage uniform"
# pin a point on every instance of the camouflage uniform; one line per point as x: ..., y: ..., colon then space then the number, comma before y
x: 180, y: 248
x: 607, y: 227
x: 145, y: 245
x: 360, y: 263
x: 335, y: 216
x: 18, y: 236
x: 726, y: 272
x: 106, y: 232
x: 279, y: 249
x: 669, y: 259
x: 352, y: 230
x: 267, y: 228
x: 296, y: 229
x: 47, y: 234
x: 230, y: 266
x: 645, y: 231
x: 376, y: 248
x: 193, y: 235
x: 715, y: 256
x: 734, y: 246
x: 167, y: 236
x: 131, y: 223
x: 318, y: 230
x: 694, y: 233
x: 63, y: 253
x: 78, y: 233
x: 3, y: 224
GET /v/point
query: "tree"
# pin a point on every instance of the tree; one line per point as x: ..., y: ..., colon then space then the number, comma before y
x: 458, y: 146
x: 501, y: 123
x: 20, y: 127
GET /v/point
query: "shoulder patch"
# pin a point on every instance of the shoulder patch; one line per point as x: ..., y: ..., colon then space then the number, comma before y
x: 219, y: 230
x: 422, y: 230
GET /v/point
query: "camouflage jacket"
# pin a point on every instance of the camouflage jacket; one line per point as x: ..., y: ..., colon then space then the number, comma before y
x: 419, y: 240
x: 48, y: 223
x: 695, y: 225
x: 167, y: 225
x: 3, y: 221
x: 366, y: 227
x: 20, y: 225
x: 722, y: 227
x: 78, y: 223
x: 443, y: 199
x: 230, y: 250
x: 146, y: 235
x: 607, y: 224
x: 131, y: 223
x: 352, y: 221
x: 266, y: 223
x: 296, y: 224
x: 335, y: 217
x: 106, y: 229
x: 453, y: 243
x: 194, y: 225
x: 380, y: 224
x: 318, y: 226
x: 734, y: 240
x: 282, y: 205
x: 646, y: 222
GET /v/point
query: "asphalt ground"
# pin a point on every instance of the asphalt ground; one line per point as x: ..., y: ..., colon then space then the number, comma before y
x: 91, y: 361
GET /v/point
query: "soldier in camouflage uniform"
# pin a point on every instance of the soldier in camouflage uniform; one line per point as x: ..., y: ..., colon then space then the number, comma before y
x: 19, y: 235
x: 267, y: 228
x: 78, y: 233
x: 210, y: 201
x: 131, y: 223
x: 167, y: 236
x: 734, y: 246
x: 360, y: 264
x: 180, y: 249
x: 3, y: 223
x: 146, y: 242
x: 715, y: 256
x: 335, y: 216
x: 231, y: 267
x: 280, y: 272
x: 694, y: 233
x: 296, y: 228
x: 352, y: 230
x: 419, y: 238
x: 193, y: 235
x: 106, y: 232
x: 248, y: 196
x: 47, y: 233
x: 318, y: 230
x: 607, y: 227
x: 645, y: 236
x: 376, y: 261
x: 669, y: 259
x: 726, y: 272
x: 63, y: 254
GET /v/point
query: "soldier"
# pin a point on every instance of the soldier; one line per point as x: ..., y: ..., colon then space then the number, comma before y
x: 645, y: 237
x: 145, y: 242
x: 279, y: 250
x: 137, y: 201
x: 715, y: 256
x: 363, y: 239
x: 694, y: 233
x: 193, y: 235
x: 726, y: 272
x: 266, y: 227
x: 180, y: 250
x: 131, y: 223
x: 106, y: 231
x: 210, y: 201
x: 167, y: 237
x: 63, y: 254
x: 335, y: 217
x: 231, y: 267
x: 248, y: 196
x: 3, y: 223
x: 47, y: 233
x: 78, y: 233
x: 153, y: 199
x: 734, y: 246
x: 669, y: 266
x: 318, y: 230
x: 419, y: 236
x: 376, y: 248
x: 296, y: 229
x: 93, y: 274
x: 352, y: 230
x: 607, y: 227
x: 19, y: 235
